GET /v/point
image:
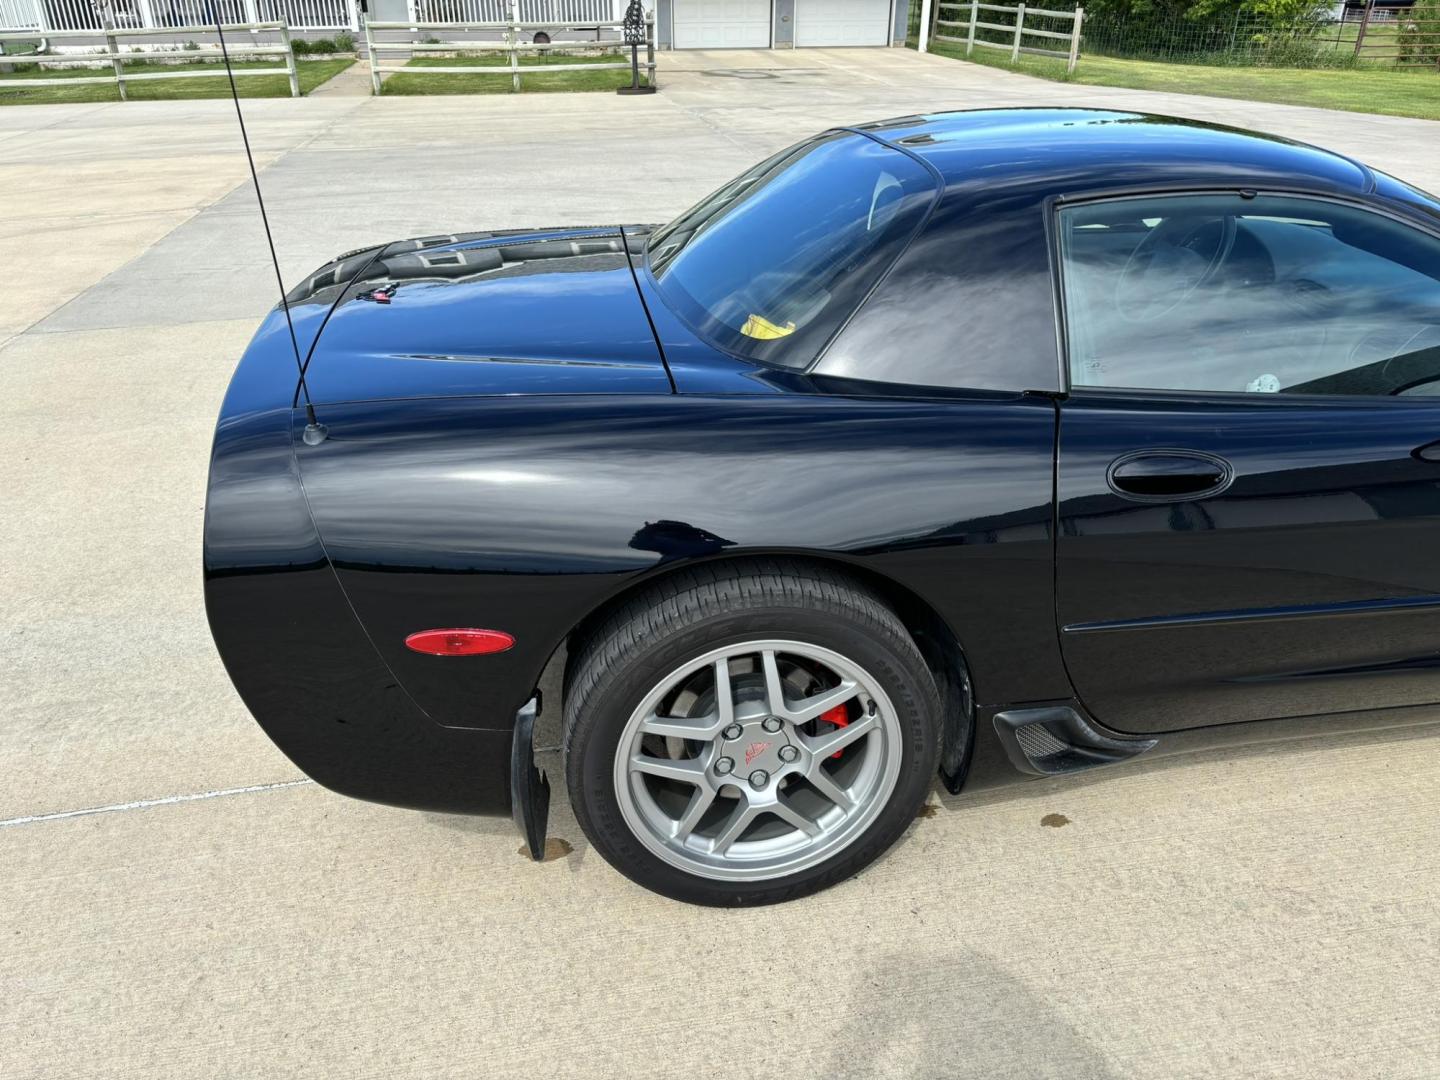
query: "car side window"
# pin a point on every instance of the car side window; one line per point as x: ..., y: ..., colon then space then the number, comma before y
x: 1263, y: 295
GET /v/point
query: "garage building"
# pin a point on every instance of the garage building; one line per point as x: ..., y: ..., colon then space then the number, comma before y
x: 766, y: 24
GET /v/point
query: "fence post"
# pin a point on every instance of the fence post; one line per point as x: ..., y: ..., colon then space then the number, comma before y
x: 374, y: 59
x: 1364, y: 25
x: 650, y: 47
x: 147, y: 16
x: 974, y: 18
x: 1075, y: 41
x: 925, y: 15
x: 253, y: 16
x: 1019, y: 29
x: 515, y: 45
x: 354, y: 8
x: 290, y: 65
x: 114, y: 47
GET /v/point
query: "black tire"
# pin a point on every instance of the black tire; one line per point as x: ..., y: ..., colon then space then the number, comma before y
x: 689, y: 614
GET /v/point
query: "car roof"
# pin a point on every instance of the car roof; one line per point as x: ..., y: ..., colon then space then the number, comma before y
x: 1064, y: 149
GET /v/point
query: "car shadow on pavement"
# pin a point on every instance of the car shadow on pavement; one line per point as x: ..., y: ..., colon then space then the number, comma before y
x: 957, y: 1013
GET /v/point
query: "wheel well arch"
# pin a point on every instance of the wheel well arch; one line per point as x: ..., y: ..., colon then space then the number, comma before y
x: 942, y: 650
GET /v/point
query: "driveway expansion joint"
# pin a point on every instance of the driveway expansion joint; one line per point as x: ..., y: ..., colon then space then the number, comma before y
x: 145, y: 804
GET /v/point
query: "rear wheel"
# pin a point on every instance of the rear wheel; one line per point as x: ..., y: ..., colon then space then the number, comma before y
x: 749, y: 735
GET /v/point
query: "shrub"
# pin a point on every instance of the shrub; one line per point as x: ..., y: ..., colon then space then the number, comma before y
x: 345, y: 41
x: 1419, y: 36
x: 317, y: 47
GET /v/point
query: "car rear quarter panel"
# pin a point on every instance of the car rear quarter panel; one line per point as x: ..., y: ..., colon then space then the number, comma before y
x: 526, y: 514
x: 288, y: 636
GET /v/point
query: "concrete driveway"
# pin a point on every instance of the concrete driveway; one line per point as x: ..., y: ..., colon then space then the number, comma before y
x: 176, y: 901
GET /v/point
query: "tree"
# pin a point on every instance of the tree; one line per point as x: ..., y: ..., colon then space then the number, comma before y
x: 1204, y: 11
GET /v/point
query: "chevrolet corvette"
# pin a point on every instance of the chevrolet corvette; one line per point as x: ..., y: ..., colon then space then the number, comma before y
x: 981, y: 446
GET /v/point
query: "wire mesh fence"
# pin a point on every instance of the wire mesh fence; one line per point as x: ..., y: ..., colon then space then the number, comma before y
x: 1248, y: 39
x: 1358, y: 36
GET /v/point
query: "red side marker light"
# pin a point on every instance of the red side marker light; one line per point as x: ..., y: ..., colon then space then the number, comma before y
x: 461, y: 642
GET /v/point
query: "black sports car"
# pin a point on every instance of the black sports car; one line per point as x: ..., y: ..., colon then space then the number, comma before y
x: 1001, y: 444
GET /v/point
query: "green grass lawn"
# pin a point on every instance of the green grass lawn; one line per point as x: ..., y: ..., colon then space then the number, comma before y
x: 1365, y: 89
x: 403, y: 82
x: 311, y: 73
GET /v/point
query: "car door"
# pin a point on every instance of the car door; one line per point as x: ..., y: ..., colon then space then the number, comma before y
x: 1248, y: 468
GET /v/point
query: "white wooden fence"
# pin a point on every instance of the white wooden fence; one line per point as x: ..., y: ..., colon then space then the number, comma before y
x: 515, y: 39
x: 19, y: 15
x: 52, y: 15
x: 572, y: 12
x: 948, y: 20
x: 46, y: 16
x: 117, y: 58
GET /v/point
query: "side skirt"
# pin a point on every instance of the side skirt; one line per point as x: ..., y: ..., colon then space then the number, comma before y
x: 1029, y: 740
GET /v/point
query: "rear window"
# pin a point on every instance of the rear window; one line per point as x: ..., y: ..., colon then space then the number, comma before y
x: 772, y: 264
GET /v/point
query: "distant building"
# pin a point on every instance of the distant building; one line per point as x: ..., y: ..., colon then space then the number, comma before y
x: 1354, y: 8
x: 778, y: 24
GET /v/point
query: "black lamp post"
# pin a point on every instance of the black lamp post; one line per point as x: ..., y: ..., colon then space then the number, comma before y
x: 634, y: 29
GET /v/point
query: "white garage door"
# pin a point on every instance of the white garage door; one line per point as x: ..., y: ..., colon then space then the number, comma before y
x: 842, y: 22
x: 722, y: 24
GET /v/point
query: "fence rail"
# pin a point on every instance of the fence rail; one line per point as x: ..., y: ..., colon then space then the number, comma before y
x: 46, y: 17
x: 511, y: 30
x: 941, y: 16
x: 117, y: 59
x: 578, y: 13
x: 1414, y: 41
x: 54, y: 15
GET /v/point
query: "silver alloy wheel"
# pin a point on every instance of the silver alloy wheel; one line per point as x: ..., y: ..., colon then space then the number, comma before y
x: 726, y: 770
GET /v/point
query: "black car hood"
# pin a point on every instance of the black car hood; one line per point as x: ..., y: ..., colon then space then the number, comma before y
x: 552, y: 312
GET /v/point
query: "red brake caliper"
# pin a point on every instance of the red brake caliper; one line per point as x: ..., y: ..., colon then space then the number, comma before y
x: 838, y: 716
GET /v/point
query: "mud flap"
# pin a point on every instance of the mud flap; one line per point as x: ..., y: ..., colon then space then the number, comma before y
x: 529, y: 787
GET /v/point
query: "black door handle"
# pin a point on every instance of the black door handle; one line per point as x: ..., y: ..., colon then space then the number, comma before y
x: 1168, y: 475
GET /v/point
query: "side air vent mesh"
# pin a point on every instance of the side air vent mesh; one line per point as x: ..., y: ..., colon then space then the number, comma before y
x: 1037, y: 742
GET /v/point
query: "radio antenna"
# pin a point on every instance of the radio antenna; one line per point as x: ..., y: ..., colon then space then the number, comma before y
x: 315, y: 431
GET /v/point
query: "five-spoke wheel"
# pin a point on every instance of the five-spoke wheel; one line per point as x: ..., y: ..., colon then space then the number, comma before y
x: 757, y: 759
x: 749, y: 734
